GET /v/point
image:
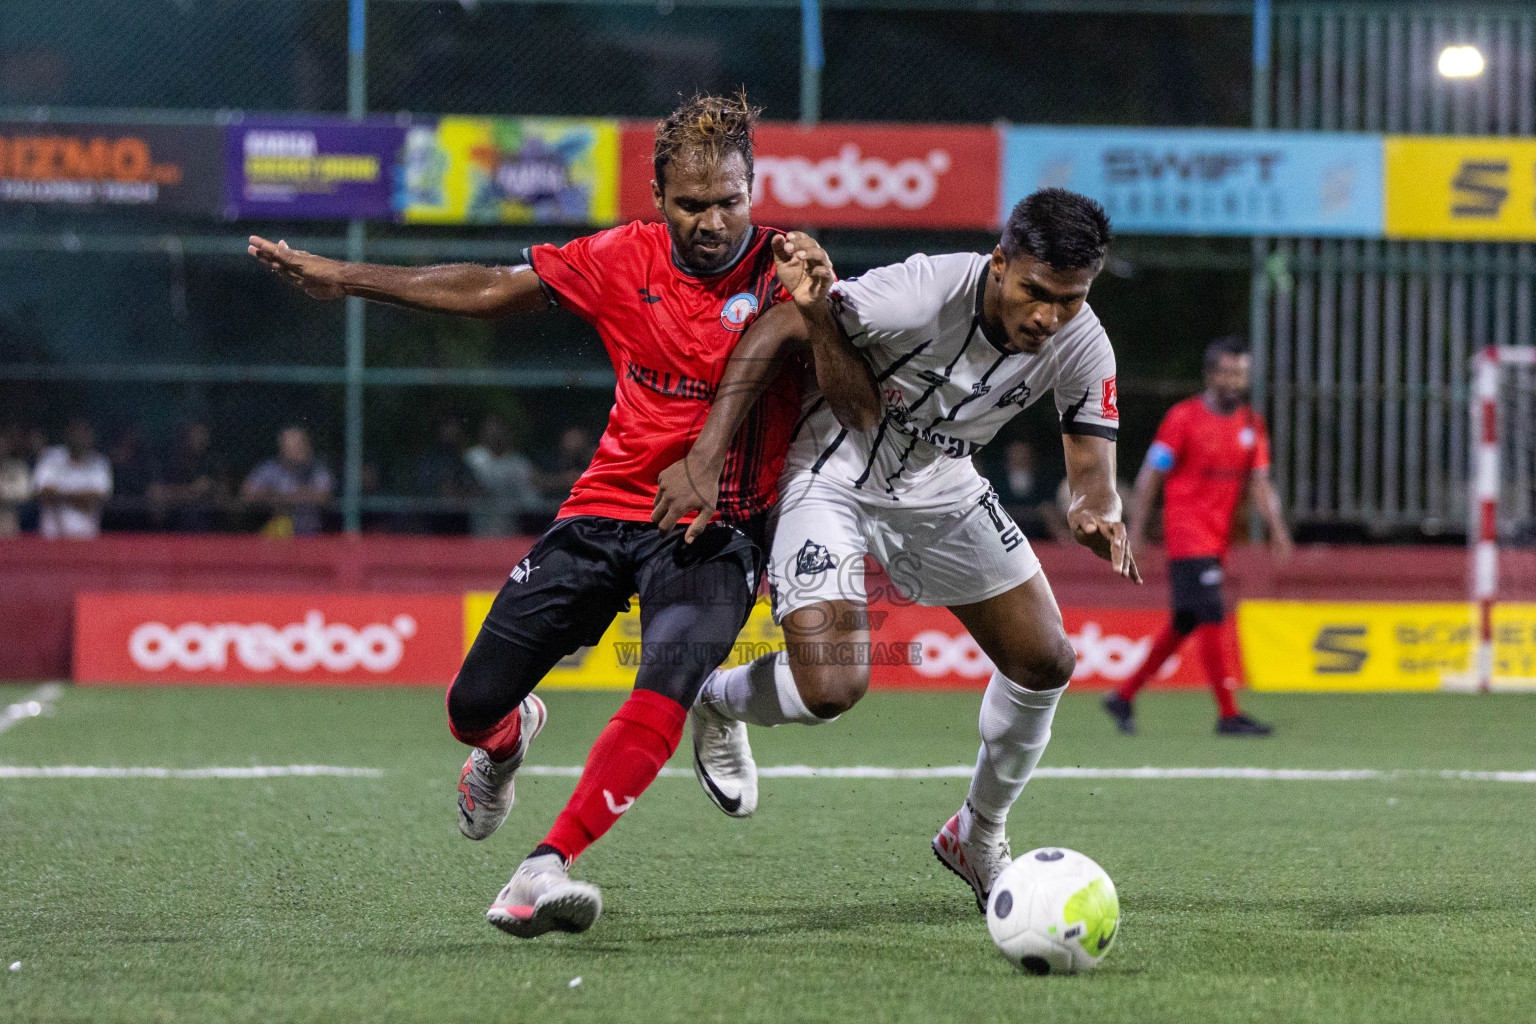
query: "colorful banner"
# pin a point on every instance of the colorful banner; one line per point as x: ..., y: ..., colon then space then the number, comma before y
x: 161, y: 168
x: 1173, y: 181
x: 320, y: 168
x: 1367, y: 645
x: 494, y: 170
x: 1461, y: 188
x: 847, y: 175
x: 910, y: 647
x: 222, y: 638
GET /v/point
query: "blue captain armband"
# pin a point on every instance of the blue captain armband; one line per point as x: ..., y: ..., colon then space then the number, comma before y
x: 1160, y: 457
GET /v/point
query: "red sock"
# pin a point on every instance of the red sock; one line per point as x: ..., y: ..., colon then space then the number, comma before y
x: 624, y: 761
x: 499, y: 740
x: 1163, y: 645
x: 1223, y: 674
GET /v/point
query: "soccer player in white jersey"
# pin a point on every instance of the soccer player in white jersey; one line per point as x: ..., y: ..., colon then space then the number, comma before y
x: 957, y: 345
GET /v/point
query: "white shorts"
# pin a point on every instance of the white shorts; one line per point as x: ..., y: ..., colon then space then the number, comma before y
x: 942, y: 557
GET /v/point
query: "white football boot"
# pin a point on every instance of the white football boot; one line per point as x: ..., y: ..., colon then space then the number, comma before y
x: 487, y: 788
x: 722, y: 760
x: 977, y: 855
x: 542, y: 898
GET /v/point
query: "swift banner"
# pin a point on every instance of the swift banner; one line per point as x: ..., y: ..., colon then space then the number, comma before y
x: 910, y: 646
x: 1172, y: 181
x: 845, y: 175
x: 497, y: 170
x: 311, y: 168
x: 166, y: 169
x: 1365, y: 645
x: 314, y: 639
x: 1461, y: 188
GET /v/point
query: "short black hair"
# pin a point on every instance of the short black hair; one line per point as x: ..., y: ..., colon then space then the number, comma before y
x: 1231, y: 345
x: 1061, y: 229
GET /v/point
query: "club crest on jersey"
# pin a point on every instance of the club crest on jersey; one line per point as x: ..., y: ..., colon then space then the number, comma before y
x: 1016, y: 395
x: 813, y: 559
x: 1246, y: 437
x: 738, y: 311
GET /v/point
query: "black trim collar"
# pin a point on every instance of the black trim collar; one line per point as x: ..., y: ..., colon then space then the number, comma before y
x: 980, y: 318
x: 746, y: 244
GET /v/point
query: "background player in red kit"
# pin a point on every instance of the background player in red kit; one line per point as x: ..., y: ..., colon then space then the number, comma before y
x: 1208, y: 449
x: 670, y: 302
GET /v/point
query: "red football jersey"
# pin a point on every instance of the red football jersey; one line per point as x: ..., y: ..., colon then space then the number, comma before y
x: 1208, y: 458
x: 669, y: 334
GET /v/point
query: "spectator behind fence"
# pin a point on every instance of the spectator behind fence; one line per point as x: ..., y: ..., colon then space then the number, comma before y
x: 294, y: 486
x: 441, y: 472
x: 131, y: 474
x: 188, y: 483
x: 72, y: 481
x: 571, y: 460
x: 1024, y: 490
x: 505, y: 479
x: 15, y: 482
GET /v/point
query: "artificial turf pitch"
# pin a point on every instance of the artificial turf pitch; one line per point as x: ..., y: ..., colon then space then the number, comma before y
x: 1411, y: 898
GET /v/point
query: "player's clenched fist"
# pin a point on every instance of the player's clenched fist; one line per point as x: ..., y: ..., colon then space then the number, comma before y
x: 805, y: 269
x: 317, y: 276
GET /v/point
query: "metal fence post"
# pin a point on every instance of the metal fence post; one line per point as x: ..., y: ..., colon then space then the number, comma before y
x: 357, y: 237
x: 1258, y: 282
x: 812, y: 59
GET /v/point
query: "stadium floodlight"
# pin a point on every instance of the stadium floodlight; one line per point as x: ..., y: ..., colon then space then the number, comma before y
x: 1461, y: 62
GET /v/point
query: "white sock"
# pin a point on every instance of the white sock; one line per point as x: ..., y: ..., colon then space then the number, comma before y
x: 1015, y: 727
x: 761, y: 692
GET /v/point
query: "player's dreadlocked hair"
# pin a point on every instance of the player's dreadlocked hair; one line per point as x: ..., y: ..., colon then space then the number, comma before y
x: 711, y: 126
x: 1061, y: 229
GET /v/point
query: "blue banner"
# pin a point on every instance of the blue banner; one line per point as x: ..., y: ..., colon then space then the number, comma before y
x: 1168, y: 181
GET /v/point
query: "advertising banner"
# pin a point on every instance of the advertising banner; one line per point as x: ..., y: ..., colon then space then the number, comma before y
x: 1461, y: 188
x: 910, y: 647
x: 156, y: 167
x: 502, y: 170
x: 847, y: 175
x: 313, y: 639
x: 1367, y: 645
x: 1166, y: 181
x: 319, y: 168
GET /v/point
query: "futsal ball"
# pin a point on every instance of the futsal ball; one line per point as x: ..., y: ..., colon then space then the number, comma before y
x: 1053, y: 911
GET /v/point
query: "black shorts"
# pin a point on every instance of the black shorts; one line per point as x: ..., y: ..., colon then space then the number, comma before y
x: 1196, y: 587
x: 694, y: 598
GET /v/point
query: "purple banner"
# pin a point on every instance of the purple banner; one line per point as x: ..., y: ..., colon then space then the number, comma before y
x: 313, y: 168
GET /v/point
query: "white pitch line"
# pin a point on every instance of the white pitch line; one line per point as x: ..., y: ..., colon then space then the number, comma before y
x: 75, y: 771
x: 961, y: 771
x: 38, y: 702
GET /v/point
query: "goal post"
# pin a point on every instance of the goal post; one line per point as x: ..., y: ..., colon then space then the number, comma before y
x: 1489, y: 367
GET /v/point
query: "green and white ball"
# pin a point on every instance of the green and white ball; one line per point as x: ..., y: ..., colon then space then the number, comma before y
x: 1053, y: 911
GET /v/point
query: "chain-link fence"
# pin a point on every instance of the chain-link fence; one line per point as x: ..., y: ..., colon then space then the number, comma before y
x: 146, y: 324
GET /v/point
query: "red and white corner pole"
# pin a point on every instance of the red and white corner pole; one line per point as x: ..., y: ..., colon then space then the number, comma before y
x: 1485, y: 493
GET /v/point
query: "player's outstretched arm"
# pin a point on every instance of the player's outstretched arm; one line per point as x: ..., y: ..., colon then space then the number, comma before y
x: 845, y: 379
x: 1148, y: 482
x: 466, y: 289
x: 1094, y: 514
x: 692, y: 484
x: 1268, y: 503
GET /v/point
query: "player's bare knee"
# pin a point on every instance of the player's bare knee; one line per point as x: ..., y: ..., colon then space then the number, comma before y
x: 1046, y: 667
x: 830, y: 690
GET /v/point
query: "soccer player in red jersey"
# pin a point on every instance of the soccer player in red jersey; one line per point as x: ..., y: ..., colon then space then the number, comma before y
x: 1208, y: 449
x: 670, y: 302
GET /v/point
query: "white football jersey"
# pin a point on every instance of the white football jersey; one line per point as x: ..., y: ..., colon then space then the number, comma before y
x: 947, y: 386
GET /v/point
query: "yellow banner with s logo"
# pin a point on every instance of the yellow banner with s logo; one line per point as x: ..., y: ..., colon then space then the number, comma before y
x: 1460, y: 188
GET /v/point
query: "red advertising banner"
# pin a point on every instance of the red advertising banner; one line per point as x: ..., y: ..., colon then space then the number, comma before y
x: 849, y: 175
x: 314, y: 639
x: 1111, y: 644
